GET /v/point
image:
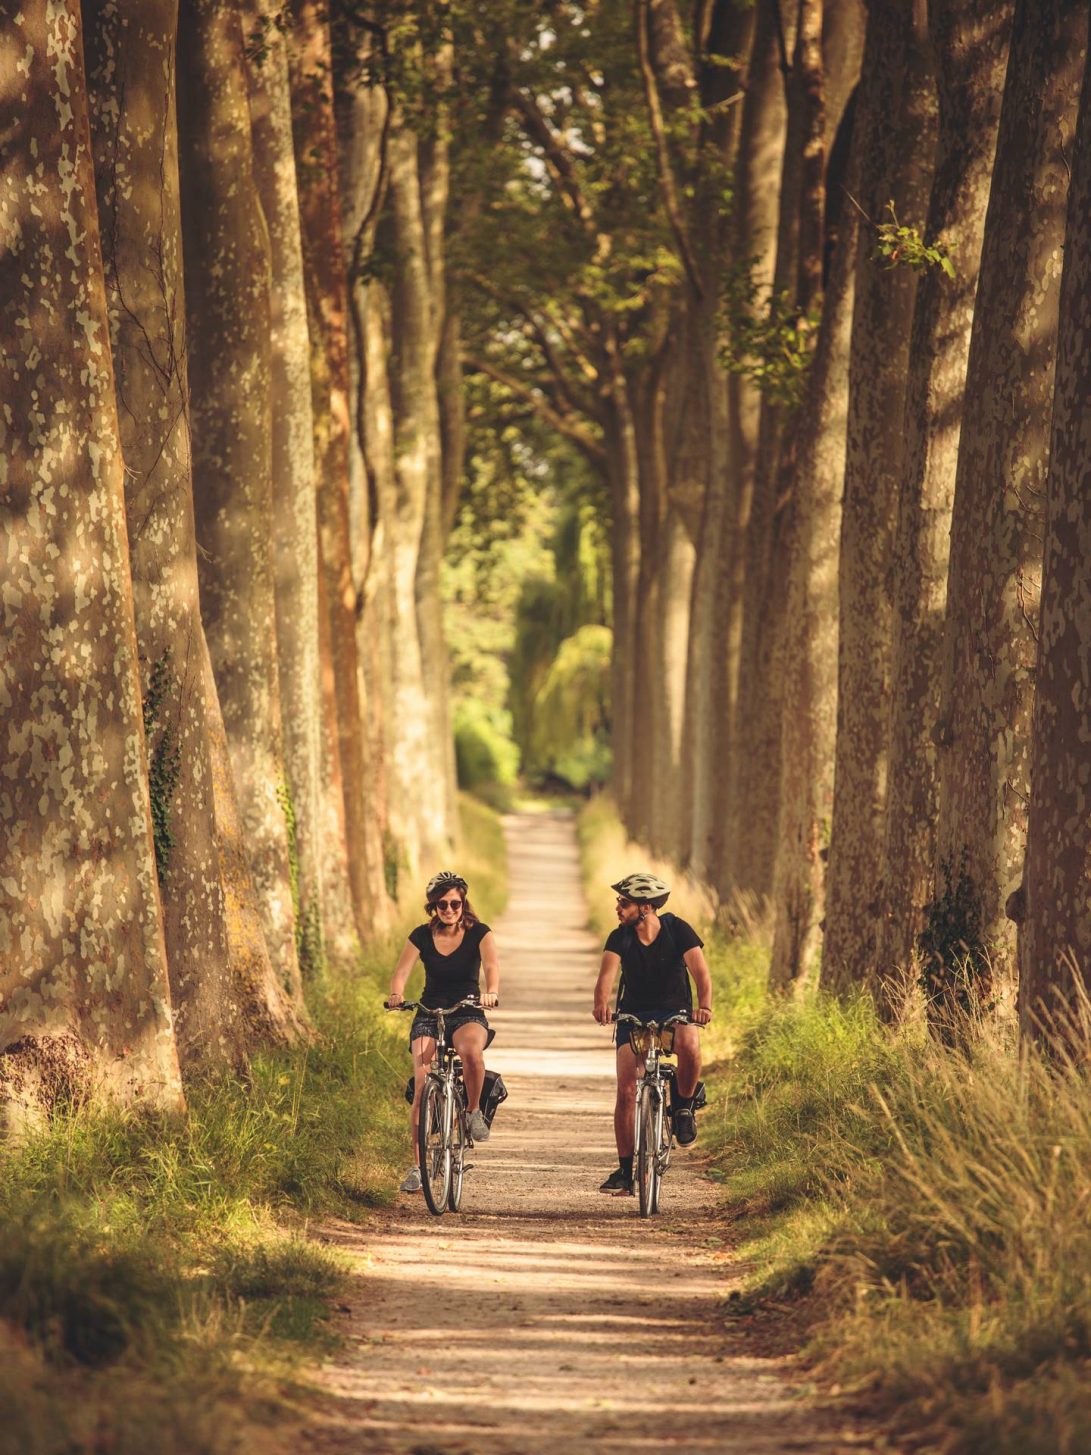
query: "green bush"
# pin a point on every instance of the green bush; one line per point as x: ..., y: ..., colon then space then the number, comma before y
x: 484, y: 751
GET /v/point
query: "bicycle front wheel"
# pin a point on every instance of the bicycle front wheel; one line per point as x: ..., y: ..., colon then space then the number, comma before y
x: 433, y: 1146
x: 649, y: 1118
x: 457, y: 1144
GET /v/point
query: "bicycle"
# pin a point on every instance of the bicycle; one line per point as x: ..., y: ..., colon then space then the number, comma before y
x: 654, y: 1132
x: 442, y: 1133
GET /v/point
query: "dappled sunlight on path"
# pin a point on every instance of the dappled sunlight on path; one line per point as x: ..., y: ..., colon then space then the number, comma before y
x: 546, y: 1316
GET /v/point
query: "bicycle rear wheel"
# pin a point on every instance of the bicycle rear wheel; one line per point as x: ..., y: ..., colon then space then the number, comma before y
x: 457, y: 1144
x: 433, y: 1145
x: 649, y: 1118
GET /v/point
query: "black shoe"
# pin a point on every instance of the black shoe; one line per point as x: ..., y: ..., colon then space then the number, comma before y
x: 619, y: 1181
x: 685, y: 1126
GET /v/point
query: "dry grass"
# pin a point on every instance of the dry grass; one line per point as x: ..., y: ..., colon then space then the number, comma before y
x: 929, y: 1206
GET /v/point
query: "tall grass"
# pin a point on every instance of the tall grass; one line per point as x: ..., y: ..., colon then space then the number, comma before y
x: 155, y: 1273
x: 929, y: 1209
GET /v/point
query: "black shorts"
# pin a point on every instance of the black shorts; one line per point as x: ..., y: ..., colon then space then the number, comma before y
x: 428, y: 1025
x: 659, y: 1013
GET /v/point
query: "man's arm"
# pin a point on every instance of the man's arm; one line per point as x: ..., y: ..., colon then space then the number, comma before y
x: 604, y: 986
x: 697, y: 966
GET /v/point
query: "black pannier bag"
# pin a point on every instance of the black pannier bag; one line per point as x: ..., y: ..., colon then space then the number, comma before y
x: 493, y: 1092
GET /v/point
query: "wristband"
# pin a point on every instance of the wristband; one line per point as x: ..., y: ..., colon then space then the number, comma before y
x: 705, y: 1007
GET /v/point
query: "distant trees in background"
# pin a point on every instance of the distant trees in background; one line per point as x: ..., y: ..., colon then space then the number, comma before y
x: 800, y: 312
x: 736, y: 351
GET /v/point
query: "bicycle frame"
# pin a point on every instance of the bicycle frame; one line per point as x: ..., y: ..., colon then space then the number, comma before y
x: 653, y: 1133
x: 442, y: 1134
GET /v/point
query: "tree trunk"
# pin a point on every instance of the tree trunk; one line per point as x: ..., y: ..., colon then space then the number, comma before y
x: 810, y: 676
x: 295, y: 539
x: 896, y: 118
x: 227, y: 270
x: 754, y: 828
x: 327, y: 304
x: 757, y: 204
x: 362, y: 115
x: 624, y: 480
x: 1055, y: 929
x: 84, y: 980
x: 225, y: 996
x: 969, y: 44
x: 997, y: 519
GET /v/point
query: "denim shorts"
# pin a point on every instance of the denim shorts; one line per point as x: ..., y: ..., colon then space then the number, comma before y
x: 428, y: 1025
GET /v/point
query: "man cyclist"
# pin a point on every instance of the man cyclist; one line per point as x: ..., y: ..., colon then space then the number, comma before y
x: 656, y: 954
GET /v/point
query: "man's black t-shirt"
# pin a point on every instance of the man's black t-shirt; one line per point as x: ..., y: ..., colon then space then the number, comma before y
x: 450, y: 978
x: 654, y: 977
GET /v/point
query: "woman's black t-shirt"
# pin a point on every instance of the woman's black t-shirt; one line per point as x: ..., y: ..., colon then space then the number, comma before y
x: 654, y: 977
x: 450, y: 978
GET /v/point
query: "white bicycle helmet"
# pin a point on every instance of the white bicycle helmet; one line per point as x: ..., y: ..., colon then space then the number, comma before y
x: 445, y: 879
x: 643, y: 888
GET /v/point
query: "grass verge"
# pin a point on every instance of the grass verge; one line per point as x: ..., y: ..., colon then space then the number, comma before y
x: 156, y: 1278
x: 923, y: 1211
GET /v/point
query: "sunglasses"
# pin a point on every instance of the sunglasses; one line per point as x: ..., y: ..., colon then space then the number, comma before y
x: 448, y: 903
x: 623, y: 902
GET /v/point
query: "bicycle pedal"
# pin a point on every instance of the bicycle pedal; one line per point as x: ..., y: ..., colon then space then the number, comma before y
x: 467, y: 1167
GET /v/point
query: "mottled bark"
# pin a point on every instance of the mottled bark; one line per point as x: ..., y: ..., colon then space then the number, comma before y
x: 295, y: 540
x: 969, y: 46
x: 810, y: 656
x: 707, y: 746
x: 434, y: 170
x: 754, y: 824
x: 362, y: 115
x: 757, y: 202
x: 328, y: 312
x: 1055, y: 913
x: 649, y: 758
x: 225, y: 996
x: 896, y: 120
x: 623, y: 476
x: 227, y: 272
x: 997, y: 520
x: 84, y: 988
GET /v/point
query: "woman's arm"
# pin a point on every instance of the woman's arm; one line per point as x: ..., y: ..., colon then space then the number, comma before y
x: 491, y: 962
x: 406, y: 960
x: 698, y: 968
x: 604, y: 986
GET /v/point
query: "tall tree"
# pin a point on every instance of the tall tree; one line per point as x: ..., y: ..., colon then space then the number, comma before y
x: 84, y: 981
x: 328, y: 312
x: 1055, y: 934
x: 295, y: 528
x: 896, y: 117
x: 760, y: 167
x: 224, y: 994
x: 811, y: 531
x: 997, y: 518
x: 227, y: 283
x: 969, y: 44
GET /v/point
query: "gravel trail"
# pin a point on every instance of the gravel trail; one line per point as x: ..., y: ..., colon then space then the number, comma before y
x: 546, y: 1316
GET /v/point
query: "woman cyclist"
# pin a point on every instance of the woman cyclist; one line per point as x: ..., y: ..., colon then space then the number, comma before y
x: 454, y: 944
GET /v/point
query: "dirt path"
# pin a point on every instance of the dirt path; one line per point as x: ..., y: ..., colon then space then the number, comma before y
x: 547, y: 1316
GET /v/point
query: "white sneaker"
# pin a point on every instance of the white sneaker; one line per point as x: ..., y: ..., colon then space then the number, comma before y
x: 411, y: 1182
x: 479, y: 1127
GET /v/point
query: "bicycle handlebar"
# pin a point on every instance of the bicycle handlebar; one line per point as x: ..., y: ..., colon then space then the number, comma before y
x: 680, y: 1018
x: 439, y: 1009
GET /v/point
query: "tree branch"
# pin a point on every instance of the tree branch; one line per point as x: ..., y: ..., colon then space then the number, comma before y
x: 537, y: 398
x: 662, y: 151
x: 537, y: 332
x: 557, y: 159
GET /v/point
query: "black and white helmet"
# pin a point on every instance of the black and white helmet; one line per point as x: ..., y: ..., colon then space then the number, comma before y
x: 643, y: 888
x: 445, y: 879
